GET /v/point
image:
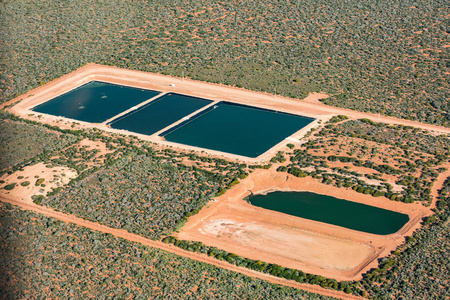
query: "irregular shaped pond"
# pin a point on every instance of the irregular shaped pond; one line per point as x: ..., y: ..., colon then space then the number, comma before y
x: 334, y: 211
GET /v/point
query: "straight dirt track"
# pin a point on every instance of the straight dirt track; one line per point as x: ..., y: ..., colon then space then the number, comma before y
x: 310, y: 106
x: 175, y: 250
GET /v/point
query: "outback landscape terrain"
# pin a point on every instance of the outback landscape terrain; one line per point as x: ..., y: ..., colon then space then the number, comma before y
x: 91, y: 211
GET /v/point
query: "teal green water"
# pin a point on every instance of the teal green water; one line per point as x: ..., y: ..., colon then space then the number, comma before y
x: 332, y: 210
x: 237, y: 129
x: 95, y: 102
x: 159, y: 113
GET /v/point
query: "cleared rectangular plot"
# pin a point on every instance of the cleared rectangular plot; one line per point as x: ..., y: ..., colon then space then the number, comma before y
x: 237, y: 129
x: 159, y: 113
x: 95, y: 102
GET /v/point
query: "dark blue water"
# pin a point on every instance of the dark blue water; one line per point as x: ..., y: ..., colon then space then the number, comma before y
x: 334, y: 211
x: 159, y: 113
x: 95, y: 101
x: 237, y: 129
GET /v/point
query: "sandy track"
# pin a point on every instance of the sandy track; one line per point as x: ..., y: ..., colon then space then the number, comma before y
x: 310, y: 106
x: 175, y: 250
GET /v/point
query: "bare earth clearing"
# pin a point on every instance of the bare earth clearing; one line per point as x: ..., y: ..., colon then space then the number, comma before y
x: 170, y: 248
x: 310, y: 106
x: 314, y: 247
x: 53, y: 178
x: 232, y: 224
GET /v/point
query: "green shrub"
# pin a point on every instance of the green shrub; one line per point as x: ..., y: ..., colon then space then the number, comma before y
x: 10, y: 186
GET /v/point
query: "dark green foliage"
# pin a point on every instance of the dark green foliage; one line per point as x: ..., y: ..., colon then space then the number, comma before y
x: 39, y: 181
x: 37, y: 199
x: 266, y: 167
x: 137, y: 193
x: 43, y: 258
x: 9, y: 187
x: 391, y: 60
x: 20, y: 142
x: 404, y: 137
x: 279, y: 157
x: 338, y: 118
x: 418, y: 269
x: 406, y: 152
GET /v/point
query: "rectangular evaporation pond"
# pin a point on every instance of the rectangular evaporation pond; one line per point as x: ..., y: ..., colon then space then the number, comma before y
x: 334, y: 211
x: 237, y: 129
x: 95, y: 102
x: 159, y: 113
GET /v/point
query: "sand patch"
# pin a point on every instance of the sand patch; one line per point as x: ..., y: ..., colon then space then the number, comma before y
x: 52, y: 178
x: 290, y: 242
x: 238, y: 227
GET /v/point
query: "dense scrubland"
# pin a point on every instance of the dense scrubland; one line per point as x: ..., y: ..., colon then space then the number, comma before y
x: 20, y: 141
x: 384, y: 57
x: 418, y: 269
x: 138, y: 194
x: 151, y: 191
x: 398, y: 162
x: 387, y: 57
x: 133, y: 186
x: 43, y: 258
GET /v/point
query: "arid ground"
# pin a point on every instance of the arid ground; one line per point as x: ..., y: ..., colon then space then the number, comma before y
x: 331, y: 251
x: 309, y: 106
x: 231, y: 223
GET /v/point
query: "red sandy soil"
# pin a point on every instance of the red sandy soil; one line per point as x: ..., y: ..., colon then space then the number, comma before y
x: 170, y: 248
x: 53, y: 178
x: 309, y: 106
x: 234, y: 225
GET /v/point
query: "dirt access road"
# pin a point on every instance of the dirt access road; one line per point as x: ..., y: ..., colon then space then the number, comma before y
x: 170, y: 248
x: 310, y: 106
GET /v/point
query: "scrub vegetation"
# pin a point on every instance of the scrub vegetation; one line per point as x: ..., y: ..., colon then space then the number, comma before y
x: 420, y: 267
x: 49, y: 259
x: 398, y: 162
x: 20, y: 141
x: 137, y: 193
x: 385, y: 57
x: 133, y: 186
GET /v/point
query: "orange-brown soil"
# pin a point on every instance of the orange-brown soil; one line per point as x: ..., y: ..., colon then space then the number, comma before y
x: 309, y: 106
x: 53, y: 178
x: 236, y: 226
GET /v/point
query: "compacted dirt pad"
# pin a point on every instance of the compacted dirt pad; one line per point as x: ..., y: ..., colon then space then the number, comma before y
x: 238, y: 227
x: 309, y: 107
